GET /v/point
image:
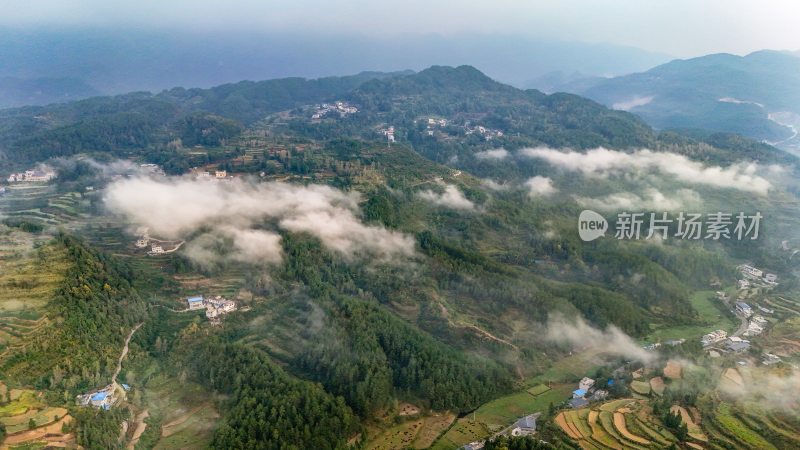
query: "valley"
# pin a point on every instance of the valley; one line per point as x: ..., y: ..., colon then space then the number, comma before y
x: 389, y: 292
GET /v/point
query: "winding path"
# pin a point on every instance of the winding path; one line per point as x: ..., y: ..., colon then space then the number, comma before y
x: 123, y: 354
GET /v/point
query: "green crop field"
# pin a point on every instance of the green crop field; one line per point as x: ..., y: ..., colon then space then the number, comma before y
x: 711, y: 317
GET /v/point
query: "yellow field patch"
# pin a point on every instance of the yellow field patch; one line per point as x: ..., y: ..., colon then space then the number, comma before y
x: 694, y: 429
x: 619, y: 424
x: 561, y: 421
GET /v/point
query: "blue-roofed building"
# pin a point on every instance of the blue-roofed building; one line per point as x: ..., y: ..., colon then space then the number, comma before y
x: 579, y: 393
x: 196, y: 302
x: 610, y: 382
x: 103, y: 398
x: 126, y: 387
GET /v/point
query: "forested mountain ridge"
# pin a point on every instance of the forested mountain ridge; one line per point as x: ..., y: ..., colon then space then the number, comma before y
x: 327, y: 344
x: 134, y: 124
x: 720, y: 92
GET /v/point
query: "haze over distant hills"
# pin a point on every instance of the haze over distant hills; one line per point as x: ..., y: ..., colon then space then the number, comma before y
x: 41, y: 91
x: 114, y: 61
x: 757, y: 95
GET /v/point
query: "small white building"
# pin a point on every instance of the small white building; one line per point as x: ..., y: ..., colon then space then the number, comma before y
x: 586, y: 383
x: 221, y: 174
x: 713, y: 337
x: 770, y: 278
x: 195, y: 302
x: 750, y: 271
x: 156, y: 250
x: 770, y: 359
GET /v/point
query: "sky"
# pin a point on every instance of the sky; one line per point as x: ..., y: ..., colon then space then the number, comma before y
x: 682, y: 28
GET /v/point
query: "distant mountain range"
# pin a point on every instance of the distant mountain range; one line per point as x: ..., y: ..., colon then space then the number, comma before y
x: 119, y: 61
x: 42, y: 91
x: 757, y: 95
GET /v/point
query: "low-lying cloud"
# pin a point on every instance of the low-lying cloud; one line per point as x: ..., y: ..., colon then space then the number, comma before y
x: 246, y: 218
x: 639, y: 100
x: 601, y: 162
x: 581, y: 336
x: 451, y: 198
x: 496, y: 154
x: 540, y: 186
x: 651, y: 199
x: 770, y: 390
x: 495, y: 185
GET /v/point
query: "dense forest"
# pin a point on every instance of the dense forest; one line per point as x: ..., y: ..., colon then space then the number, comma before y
x: 269, y: 409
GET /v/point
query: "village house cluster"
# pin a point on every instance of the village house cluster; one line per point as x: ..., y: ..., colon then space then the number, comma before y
x: 753, y: 324
x: 214, y: 306
x: 32, y: 176
x: 433, y: 123
x: 752, y: 276
x: 156, y: 246
x: 103, y: 398
x: 586, y: 392
x: 487, y: 133
x: 204, y: 175
x: 342, y: 108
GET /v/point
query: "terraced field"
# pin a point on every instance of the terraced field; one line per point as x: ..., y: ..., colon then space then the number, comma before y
x: 618, y: 424
x: 630, y: 424
x: 30, y: 273
x: 44, y: 205
x: 187, y: 413
x: 31, y: 423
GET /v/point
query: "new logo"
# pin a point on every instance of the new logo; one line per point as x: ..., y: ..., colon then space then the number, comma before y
x: 591, y: 225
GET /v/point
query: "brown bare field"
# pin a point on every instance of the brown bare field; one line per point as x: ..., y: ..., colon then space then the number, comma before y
x: 52, y: 430
x: 619, y: 424
x: 139, y: 428
x: 657, y: 385
x: 407, y: 409
x: 568, y: 428
x: 673, y: 370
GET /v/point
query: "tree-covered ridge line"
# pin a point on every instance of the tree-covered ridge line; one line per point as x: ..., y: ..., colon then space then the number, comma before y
x: 140, y: 124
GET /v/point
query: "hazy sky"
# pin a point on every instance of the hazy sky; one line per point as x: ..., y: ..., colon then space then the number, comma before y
x: 678, y: 27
